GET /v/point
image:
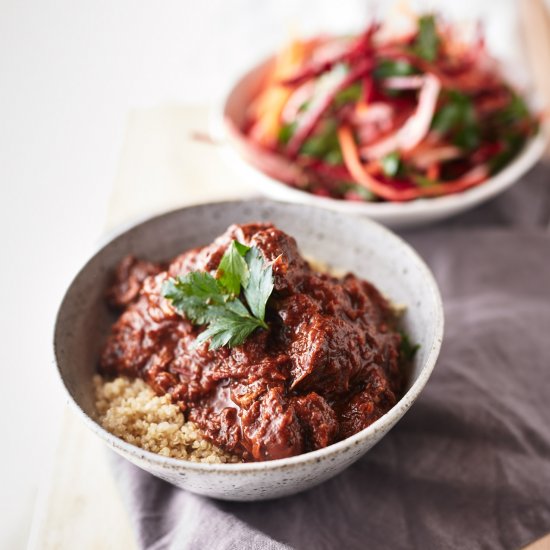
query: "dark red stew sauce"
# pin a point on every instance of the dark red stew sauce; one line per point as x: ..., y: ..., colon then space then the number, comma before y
x: 327, y: 367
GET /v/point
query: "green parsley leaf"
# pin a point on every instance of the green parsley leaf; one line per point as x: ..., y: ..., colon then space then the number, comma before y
x: 260, y: 283
x: 207, y: 300
x: 515, y: 111
x: 196, y: 295
x: 334, y: 157
x: 512, y: 145
x: 447, y: 117
x: 426, y: 43
x: 457, y: 118
x: 324, y: 142
x: 229, y: 329
x: 349, y: 94
x: 387, y: 68
x: 423, y: 181
x: 242, y: 248
x: 467, y: 137
x: 233, y: 270
x: 352, y: 187
x: 286, y: 132
x: 390, y: 164
x: 407, y: 349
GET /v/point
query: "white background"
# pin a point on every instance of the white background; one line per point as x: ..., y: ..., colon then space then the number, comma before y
x: 69, y: 73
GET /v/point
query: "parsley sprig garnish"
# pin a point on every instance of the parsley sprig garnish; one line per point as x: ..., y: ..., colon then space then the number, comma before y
x: 215, y: 301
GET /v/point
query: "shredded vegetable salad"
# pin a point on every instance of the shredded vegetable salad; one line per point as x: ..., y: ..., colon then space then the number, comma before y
x: 386, y: 118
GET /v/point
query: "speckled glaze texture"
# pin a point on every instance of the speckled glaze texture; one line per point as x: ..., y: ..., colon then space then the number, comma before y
x: 342, y: 242
x: 405, y: 214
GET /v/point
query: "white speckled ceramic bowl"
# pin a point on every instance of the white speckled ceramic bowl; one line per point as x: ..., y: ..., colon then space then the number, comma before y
x: 343, y: 242
x: 230, y: 117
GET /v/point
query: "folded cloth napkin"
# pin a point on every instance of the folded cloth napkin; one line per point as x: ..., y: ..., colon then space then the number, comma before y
x: 469, y: 465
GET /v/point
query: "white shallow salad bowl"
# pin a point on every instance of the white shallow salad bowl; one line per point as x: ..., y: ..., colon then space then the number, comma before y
x: 230, y: 116
x: 349, y: 243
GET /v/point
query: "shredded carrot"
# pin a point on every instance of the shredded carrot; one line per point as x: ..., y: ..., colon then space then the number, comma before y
x: 476, y: 176
x: 269, y: 105
x: 350, y: 152
x: 361, y: 107
x: 433, y: 172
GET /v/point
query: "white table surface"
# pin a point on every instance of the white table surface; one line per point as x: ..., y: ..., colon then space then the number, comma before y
x: 70, y: 72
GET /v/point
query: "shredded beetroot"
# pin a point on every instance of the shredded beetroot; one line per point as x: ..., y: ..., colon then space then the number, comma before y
x: 312, y: 117
x: 363, y: 45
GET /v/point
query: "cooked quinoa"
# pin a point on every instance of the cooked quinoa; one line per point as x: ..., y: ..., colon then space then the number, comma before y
x: 132, y: 411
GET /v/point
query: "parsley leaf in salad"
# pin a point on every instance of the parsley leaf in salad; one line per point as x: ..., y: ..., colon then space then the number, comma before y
x: 351, y: 93
x: 387, y: 68
x: 514, y: 112
x: 391, y: 163
x: 215, y: 302
x: 322, y: 142
x: 511, y: 146
x: 457, y: 118
x: 423, y: 181
x: 426, y: 44
x: 286, y: 132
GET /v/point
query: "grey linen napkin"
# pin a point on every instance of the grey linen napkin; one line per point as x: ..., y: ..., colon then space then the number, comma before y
x: 469, y: 465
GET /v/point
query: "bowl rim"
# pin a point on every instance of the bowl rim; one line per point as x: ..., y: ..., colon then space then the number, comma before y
x: 390, y: 418
x: 444, y: 206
